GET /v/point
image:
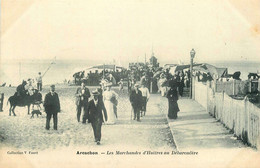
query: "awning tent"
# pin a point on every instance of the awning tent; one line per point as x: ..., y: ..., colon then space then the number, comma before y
x: 105, y: 66
x: 212, y: 70
x: 99, y: 68
x: 206, y: 68
x: 181, y: 68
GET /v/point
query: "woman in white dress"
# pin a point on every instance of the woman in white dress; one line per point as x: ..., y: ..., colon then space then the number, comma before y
x: 162, y: 86
x: 110, y: 101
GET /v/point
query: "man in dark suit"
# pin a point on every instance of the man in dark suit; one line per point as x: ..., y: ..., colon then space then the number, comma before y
x: 94, y: 110
x: 82, y: 96
x: 136, y: 101
x: 52, y: 107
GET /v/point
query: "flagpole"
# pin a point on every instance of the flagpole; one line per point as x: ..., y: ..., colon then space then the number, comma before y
x: 49, y: 66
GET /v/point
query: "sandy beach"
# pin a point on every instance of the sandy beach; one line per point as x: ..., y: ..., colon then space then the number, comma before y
x: 24, y: 132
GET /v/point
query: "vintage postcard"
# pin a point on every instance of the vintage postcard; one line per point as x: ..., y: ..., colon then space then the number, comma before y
x: 133, y: 83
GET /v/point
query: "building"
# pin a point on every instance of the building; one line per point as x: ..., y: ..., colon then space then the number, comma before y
x: 153, y: 61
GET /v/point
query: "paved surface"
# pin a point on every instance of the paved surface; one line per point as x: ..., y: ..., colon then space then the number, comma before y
x: 196, y: 130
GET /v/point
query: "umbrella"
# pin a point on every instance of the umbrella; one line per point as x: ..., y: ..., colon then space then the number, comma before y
x: 172, y: 70
x: 181, y: 68
x: 105, y: 66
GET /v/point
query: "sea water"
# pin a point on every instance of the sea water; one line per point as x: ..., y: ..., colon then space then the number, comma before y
x: 14, y: 71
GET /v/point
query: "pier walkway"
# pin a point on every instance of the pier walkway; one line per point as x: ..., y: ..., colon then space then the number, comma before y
x: 195, y: 130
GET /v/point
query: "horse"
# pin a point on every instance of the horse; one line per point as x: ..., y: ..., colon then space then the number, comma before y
x: 25, y: 100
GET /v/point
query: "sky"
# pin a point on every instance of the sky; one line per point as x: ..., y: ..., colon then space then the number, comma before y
x: 127, y: 30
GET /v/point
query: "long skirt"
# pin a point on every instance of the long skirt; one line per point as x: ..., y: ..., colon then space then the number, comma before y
x: 163, y: 91
x: 173, y: 109
x: 111, y: 119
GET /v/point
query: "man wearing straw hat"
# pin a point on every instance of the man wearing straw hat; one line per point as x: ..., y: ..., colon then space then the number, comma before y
x: 94, y: 111
x: 136, y: 101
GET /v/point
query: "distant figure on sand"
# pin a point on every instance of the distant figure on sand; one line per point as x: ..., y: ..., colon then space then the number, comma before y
x: 94, y: 110
x: 110, y: 100
x: 172, y: 96
x: 136, y: 101
x: 52, y: 107
x: 82, y: 96
x: 39, y: 81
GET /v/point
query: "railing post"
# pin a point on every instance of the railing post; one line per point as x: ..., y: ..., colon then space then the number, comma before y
x: 193, y: 88
x: 1, y: 102
x: 247, y: 119
x: 234, y: 82
x: 208, y: 87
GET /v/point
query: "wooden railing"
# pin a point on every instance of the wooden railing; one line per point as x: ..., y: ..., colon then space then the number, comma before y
x: 240, y: 116
x: 237, y: 87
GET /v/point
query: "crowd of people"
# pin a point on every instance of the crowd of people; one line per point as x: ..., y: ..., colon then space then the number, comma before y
x: 157, y: 79
x: 103, y: 107
x: 93, y: 78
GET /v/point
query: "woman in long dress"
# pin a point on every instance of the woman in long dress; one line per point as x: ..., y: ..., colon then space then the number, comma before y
x: 172, y: 96
x: 110, y: 101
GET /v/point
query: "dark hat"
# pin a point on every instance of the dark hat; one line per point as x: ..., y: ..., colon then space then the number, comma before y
x: 52, y: 86
x: 95, y: 92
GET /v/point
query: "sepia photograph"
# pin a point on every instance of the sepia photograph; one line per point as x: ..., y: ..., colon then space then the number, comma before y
x: 130, y: 83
